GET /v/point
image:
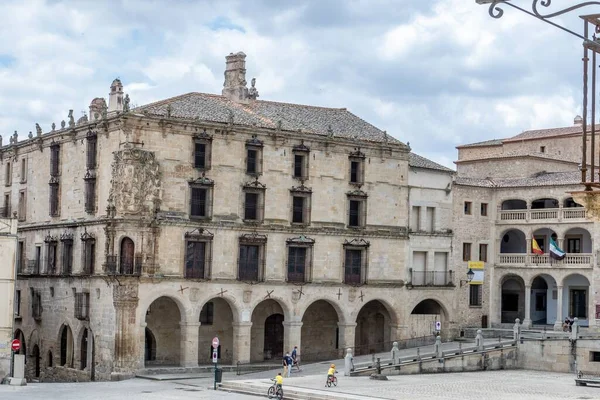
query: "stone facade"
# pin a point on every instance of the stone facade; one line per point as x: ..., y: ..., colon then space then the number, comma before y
x: 145, y: 233
x: 8, y: 250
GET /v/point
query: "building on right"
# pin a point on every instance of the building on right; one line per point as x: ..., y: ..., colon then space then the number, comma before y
x: 515, y: 217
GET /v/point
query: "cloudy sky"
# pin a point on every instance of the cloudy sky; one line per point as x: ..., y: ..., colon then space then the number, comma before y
x: 433, y: 73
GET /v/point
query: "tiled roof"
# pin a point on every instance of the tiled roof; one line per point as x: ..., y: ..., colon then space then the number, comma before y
x: 539, y: 179
x: 516, y: 154
x: 540, y: 133
x: 416, y: 161
x: 267, y: 114
x: 492, y: 142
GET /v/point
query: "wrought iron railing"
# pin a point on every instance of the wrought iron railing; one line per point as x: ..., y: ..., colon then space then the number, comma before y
x: 431, y: 278
x: 124, y: 265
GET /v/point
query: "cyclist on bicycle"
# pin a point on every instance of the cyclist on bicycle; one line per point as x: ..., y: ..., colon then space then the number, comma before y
x: 330, y: 373
x: 279, y: 381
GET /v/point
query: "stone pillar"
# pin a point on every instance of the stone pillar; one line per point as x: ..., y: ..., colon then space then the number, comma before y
x: 241, y: 341
x: 559, y: 316
x: 188, y: 355
x: 422, y: 218
x: 527, y: 319
x: 347, y: 334
x: 591, y: 308
x: 126, y: 357
x: 292, y: 333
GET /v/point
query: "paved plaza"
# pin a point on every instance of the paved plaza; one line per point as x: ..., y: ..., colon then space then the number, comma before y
x: 493, y: 385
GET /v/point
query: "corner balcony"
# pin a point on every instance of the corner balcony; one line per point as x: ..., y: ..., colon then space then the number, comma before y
x: 522, y: 260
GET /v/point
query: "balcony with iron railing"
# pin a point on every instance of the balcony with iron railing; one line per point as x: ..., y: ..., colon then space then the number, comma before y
x: 431, y: 278
x: 124, y: 265
x: 523, y: 260
x: 567, y: 214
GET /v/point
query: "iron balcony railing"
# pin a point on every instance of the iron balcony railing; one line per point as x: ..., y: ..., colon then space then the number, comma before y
x: 543, y: 214
x: 431, y: 278
x: 124, y: 265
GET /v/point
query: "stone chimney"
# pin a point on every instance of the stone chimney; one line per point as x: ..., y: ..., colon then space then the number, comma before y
x: 115, y: 98
x: 234, y: 87
x: 578, y: 120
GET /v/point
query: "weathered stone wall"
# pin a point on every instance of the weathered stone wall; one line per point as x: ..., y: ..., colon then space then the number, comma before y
x: 512, y: 167
x: 559, y: 355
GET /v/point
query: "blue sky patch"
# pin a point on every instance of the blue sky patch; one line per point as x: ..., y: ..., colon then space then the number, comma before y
x: 221, y: 22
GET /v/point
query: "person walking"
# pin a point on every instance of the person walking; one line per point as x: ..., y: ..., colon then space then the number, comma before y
x: 289, y: 362
x: 295, y: 359
x: 285, y: 365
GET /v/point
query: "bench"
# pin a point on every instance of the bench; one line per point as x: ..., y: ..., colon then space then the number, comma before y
x: 585, y: 380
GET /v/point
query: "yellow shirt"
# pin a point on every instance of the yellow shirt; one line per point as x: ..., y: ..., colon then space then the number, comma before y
x: 279, y: 379
x: 331, y: 371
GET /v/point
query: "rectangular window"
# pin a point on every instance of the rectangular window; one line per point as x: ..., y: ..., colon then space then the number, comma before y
x: 23, y: 170
x: 82, y: 305
x: 38, y: 260
x: 415, y: 219
x: 198, y: 204
x: 91, y: 151
x: 249, y: 263
x: 54, y: 202
x: 298, y: 210
x: 483, y: 248
x: 542, y: 149
x: 195, y: 260
x: 90, y: 195
x: 67, y: 257
x: 21, y: 256
x: 468, y: 205
x: 296, y: 264
x: 595, y: 356
x: 36, y: 305
x: 18, y: 303
x: 301, y: 165
x: 22, y: 205
x: 578, y: 303
x: 207, y: 314
x: 475, y: 295
x: 484, y: 209
x: 430, y: 219
x: 252, y: 161
x: 200, y: 155
x: 8, y: 174
x: 419, y: 268
x: 466, y: 255
x: 89, y: 256
x: 353, y: 266
x: 357, y: 170
x: 51, y: 260
x: 357, y: 212
x: 54, y: 159
x: 251, y: 207
x: 6, y: 206
x: 573, y: 245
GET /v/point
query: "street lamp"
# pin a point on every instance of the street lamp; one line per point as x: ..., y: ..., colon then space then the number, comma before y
x: 470, y: 275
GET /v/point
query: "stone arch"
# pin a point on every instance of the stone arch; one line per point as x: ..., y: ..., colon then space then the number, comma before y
x: 36, y: 357
x: 513, y: 241
x: 543, y: 235
x: 66, y: 346
x: 283, y: 303
x: 576, y: 297
x: 513, y: 203
x: 373, y: 327
x: 231, y: 302
x: 543, y: 303
x: 84, y: 347
x: 267, y: 329
x: 544, y: 202
x: 149, y: 346
x: 577, y: 240
x: 164, y: 319
x: 50, y: 359
x: 216, y: 317
x: 512, y: 298
x: 145, y: 304
x: 320, y: 336
x: 569, y: 202
x: 339, y: 311
x: 126, y: 255
x: 18, y: 334
x: 424, y: 315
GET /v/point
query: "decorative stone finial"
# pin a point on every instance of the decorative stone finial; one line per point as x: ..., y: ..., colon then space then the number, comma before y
x: 253, y: 92
x: 53, y: 127
x: 15, y: 137
x: 38, y: 129
x: 71, y: 119
x: 126, y: 103
x: 62, y: 124
x: 30, y: 136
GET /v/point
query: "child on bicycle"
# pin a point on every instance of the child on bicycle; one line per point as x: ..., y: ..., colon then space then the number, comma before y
x: 279, y: 381
x: 330, y: 373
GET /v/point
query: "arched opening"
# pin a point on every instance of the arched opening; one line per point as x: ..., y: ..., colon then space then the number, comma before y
x: 542, y: 236
x: 514, y: 204
x: 372, y: 328
x: 83, y: 350
x: 577, y: 241
x: 127, y: 256
x: 66, y: 347
x: 513, y: 299
x: 575, y: 297
x: 50, y: 359
x: 150, y: 347
x: 162, y: 321
x: 19, y: 335
x: 319, y: 333
x: 570, y: 203
x: 543, y: 300
x: 36, y: 360
x: 544, y: 203
x: 423, y: 318
x: 267, y: 331
x: 216, y: 319
x: 513, y: 242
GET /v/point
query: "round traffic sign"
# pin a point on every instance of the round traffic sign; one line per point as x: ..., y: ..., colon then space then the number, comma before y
x: 215, y: 342
x: 15, y: 345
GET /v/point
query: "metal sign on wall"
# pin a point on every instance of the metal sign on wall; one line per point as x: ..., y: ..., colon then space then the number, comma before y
x: 477, y: 267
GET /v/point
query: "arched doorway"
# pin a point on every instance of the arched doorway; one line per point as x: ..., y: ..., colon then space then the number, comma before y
x: 423, y: 318
x: 267, y: 331
x: 372, y: 328
x: 319, y: 333
x: 36, y: 360
x: 150, y: 347
x: 127, y: 256
x: 543, y: 300
x: 216, y: 319
x: 575, y: 297
x: 83, y: 350
x: 66, y: 347
x: 512, y: 299
x: 162, y: 322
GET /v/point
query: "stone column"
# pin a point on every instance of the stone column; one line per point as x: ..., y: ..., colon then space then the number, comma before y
x: 241, y: 341
x: 527, y: 319
x: 125, y: 300
x: 591, y: 308
x: 347, y: 333
x: 559, y: 318
x: 188, y: 355
x: 292, y: 334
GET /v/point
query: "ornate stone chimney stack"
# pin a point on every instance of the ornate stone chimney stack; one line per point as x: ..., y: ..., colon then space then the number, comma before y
x: 115, y: 98
x: 234, y: 87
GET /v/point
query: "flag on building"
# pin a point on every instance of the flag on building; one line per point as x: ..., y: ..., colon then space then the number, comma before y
x: 535, y: 247
x: 555, y: 251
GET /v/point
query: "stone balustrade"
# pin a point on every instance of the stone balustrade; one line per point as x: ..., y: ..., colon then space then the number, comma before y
x: 543, y: 214
x: 580, y: 260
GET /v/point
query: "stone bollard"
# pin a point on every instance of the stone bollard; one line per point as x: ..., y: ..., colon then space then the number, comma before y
x: 418, y: 354
x: 437, y: 347
x: 575, y: 329
x: 479, y: 340
x: 395, y: 353
x: 517, y: 330
x: 348, y: 362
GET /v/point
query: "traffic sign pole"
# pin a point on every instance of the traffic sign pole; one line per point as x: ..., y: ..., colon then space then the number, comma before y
x: 215, y: 358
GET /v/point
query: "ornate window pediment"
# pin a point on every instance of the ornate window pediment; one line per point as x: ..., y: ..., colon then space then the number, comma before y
x: 301, y: 189
x: 66, y: 237
x: 87, y: 236
x: 255, y: 185
x: 301, y: 148
x: 357, y: 243
x: 357, y: 193
x: 203, y: 181
x: 357, y: 154
x: 203, y: 135
x: 253, y: 237
x: 301, y: 240
x: 199, y: 234
x: 254, y: 141
x: 49, y: 238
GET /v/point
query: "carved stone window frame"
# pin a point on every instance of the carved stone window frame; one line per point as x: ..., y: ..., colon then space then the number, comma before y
x: 199, y: 235
x: 302, y: 151
x: 88, y: 253
x: 51, y: 243
x: 55, y: 159
x: 22, y: 205
x: 257, y: 145
x: 91, y: 159
x: 361, y: 245
x: 356, y: 157
x: 90, y: 192
x: 360, y: 197
x: 54, y: 197
x: 206, y: 184
x: 300, y: 242
x: 23, y: 171
x: 253, y: 239
x: 8, y: 174
x: 205, y: 139
x: 306, y: 193
x: 66, y: 240
x: 257, y: 188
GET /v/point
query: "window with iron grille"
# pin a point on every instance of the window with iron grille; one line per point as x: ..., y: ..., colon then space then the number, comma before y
x: 254, y: 156
x: 357, y: 168
x: 54, y: 200
x: 90, y: 194
x: 355, y: 261
x: 197, y: 259
x: 300, y: 209
x: 199, y: 202
x: 51, y: 260
x: 8, y: 174
x: 296, y: 264
x: 207, y: 314
x: 36, y: 305
x: 357, y: 209
x: 67, y: 256
x: 22, y: 205
x: 202, y: 154
x: 54, y: 159
x: 89, y: 254
x: 21, y: 261
x: 82, y: 306
x: 251, y: 257
x: 475, y: 295
x: 91, y: 151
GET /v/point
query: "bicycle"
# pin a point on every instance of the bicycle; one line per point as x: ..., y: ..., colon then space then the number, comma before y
x: 331, y: 380
x: 275, y: 391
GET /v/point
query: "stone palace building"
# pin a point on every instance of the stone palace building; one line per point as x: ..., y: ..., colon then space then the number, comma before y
x: 143, y: 233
